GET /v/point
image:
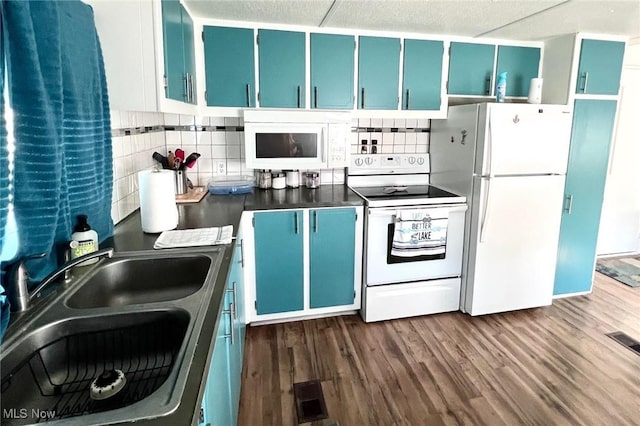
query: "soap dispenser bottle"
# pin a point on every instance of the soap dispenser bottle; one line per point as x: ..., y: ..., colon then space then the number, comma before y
x: 84, y: 240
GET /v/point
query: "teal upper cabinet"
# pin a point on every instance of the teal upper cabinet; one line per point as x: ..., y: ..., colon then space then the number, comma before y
x: 600, y: 67
x: 281, y: 55
x: 593, y: 122
x: 179, y: 56
x: 378, y: 69
x: 278, y: 261
x: 471, y: 69
x: 332, y: 60
x: 521, y: 65
x: 422, y: 75
x: 230, y: 66
x: 331, y: 257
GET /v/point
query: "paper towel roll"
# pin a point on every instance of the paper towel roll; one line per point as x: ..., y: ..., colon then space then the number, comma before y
x: 158, y: 209
x: 535, y: 91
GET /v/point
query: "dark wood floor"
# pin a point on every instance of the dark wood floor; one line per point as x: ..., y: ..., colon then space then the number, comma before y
x: 540, y: 366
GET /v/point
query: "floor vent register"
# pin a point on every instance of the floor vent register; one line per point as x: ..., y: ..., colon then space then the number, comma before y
x: 309, y: 400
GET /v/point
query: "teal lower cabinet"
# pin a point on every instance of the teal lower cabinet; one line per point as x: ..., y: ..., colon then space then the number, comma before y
x: 593, y: 122
x: 307, y: 262
x: 331, y: 257
x: 221, y: 400
x: 235, y: 290
x: 278, y: 261
x: 217, y: 398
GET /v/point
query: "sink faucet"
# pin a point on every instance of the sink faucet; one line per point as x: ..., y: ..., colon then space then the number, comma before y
x: 18, y: 292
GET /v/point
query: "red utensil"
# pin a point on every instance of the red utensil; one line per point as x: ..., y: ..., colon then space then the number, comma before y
x: 180, y: 154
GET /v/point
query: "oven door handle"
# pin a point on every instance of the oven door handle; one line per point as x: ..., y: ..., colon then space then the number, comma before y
x: 391, y: 211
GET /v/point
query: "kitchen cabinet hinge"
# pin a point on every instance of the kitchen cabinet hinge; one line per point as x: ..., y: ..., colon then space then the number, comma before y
x: 205, y: 95
x: 354, y: 295
x: 253, y: 222
x: 356, y: 217
x: 201, y: 418
x: 258, y: 39
x: 164, y: 81
x: 203, y: 36
x: 258, y: 97
x: 255, y: 305
x: 398, y: 101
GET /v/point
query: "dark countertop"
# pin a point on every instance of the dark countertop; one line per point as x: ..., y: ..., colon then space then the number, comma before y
x: 302, y: 197
x: 220, y: 210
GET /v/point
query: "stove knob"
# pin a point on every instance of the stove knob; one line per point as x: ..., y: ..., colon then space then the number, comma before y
x: 420, y: 161
x: 368, y: 161
x: 412, y: 160
x: 358, y: 162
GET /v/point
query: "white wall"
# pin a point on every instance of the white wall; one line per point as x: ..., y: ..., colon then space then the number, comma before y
x: 620, y: 221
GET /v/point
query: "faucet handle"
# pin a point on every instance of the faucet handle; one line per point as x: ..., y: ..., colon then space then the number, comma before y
x: 18, y: 289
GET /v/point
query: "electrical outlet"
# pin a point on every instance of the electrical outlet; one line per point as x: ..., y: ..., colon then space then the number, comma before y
x: 221, y: 167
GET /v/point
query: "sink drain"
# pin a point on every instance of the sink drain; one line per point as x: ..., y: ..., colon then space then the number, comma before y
x: 107, y: 384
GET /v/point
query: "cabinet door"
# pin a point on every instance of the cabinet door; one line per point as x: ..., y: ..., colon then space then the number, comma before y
x: 189, y: 55
x: 279, y: 267
x: 236, y: 294
x: 521, y: 65
x: 331, y: 257
x: 173, y: 50
x: 217, y: 404
x: 584, y: 188
x: 422, y: 76
x: 282, y: 68
x: 332, y: 71
x: 600, y: 67
x: 229, y: 66
x: 378, y: 69
x: 471, y: 69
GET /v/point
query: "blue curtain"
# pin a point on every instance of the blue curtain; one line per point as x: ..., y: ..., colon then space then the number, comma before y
x: 63, y: 158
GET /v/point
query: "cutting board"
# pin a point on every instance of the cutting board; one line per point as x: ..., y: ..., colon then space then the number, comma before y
x: 194, y: 195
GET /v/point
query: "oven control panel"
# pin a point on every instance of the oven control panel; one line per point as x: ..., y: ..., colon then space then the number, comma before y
x: 389, y: 163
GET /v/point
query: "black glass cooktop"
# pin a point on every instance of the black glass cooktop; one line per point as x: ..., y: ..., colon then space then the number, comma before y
x: 409, y: 191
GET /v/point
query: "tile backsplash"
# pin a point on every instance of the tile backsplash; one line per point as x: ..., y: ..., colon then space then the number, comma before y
x: 220, y: 143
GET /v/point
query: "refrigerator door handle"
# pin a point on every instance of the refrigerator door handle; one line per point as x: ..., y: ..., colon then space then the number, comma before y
x: 485, y: 211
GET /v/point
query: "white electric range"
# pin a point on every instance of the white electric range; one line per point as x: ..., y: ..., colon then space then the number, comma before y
x: 398, y: 282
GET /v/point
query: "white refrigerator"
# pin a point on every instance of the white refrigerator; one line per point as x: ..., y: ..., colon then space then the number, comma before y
x: 510, y: 161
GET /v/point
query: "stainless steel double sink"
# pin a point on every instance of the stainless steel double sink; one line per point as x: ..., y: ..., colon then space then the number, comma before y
x: 138, y: 312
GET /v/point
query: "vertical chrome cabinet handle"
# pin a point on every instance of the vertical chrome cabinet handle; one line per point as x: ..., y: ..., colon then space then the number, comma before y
x: 569, y: 203
x: 586, y: 80
x: 295, y: 215
x: 315, y: 96
x: 186, y: 87
x: 315, y: 221
x: 191, y: 97
x: 230, y: 312
x: 298, y: 96
x: 248, y: 95
x: 232, y: 290
x: 408, y: 95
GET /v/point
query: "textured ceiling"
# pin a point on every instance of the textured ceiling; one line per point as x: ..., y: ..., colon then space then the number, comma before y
x: 511, y: 19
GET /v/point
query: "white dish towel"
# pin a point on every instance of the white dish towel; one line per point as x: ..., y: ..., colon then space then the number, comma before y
x: 416, y: 233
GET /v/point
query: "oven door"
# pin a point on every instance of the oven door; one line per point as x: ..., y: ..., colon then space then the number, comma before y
x: 384, y: 268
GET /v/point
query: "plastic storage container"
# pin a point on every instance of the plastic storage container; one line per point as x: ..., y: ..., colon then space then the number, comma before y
x: 223, y: 185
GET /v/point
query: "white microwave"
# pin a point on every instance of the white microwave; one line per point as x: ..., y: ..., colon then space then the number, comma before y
x: 296, y: 139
